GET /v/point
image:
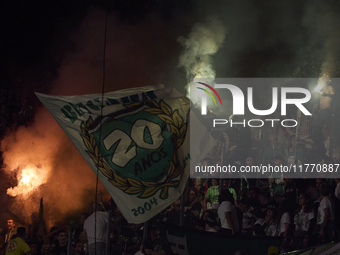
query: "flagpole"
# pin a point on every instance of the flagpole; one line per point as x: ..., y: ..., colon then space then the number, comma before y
x: 145, y: 231
x: 221, y: 179
x: 108, y: 232
x: 181, y: 215
x: 100, y: 132
x: 69, y: 245
x: 297, y: 135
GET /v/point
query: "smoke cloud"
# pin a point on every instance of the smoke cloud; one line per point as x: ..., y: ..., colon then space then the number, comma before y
x: 322, y: 18
x: 64, y: 174
x: 265, y: 39
x: 203, y: 42
x: 135, y: 57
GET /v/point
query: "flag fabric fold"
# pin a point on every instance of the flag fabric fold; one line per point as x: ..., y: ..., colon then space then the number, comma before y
x: 137, y: 140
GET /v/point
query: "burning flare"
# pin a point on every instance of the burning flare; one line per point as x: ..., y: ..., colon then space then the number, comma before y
x: 322, y: 82
x: 31, y: 178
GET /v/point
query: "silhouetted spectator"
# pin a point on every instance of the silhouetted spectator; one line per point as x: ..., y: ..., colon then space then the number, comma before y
x: 258, y: 229
x: 95, y: 228
x: 254, y: 196
x: 248, y: 219
x: 9, y: 231
x: 192, y: 208
x: 227, y: 213
x: 18, y: 245
x: 304, y: 222
x: 325, y: 218
x: 270, y: 226
x: 61, y: 245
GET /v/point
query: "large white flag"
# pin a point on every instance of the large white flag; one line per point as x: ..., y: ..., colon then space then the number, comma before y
x: 139, y: 142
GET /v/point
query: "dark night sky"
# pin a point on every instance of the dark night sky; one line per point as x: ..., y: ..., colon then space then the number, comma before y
x: 36, y: 34
x: 28, y: 28
x: 263, y: 38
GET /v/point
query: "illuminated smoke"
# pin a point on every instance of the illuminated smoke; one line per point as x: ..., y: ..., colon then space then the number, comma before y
x: 202, y: 43
x: 324, y: 20
x: 68, y: 187
x: 46, y: 165
x: 322, y: 82
x: 31, y: 178
x: 264, y: 41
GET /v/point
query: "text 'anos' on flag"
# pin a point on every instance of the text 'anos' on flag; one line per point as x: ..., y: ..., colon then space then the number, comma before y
x: 139, y: 142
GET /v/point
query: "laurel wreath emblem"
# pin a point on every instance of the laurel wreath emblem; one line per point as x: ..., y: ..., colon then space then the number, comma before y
x: 131, y: 186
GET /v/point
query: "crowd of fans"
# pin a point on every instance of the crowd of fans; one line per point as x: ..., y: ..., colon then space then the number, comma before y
x: 302, y: 212
x: 304, y: 215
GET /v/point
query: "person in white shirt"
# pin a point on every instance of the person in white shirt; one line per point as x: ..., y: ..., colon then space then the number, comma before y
x: 270, y: 226
x: 284, y: 217
x: 325, y: 218
x: 248, y: 219
x: 284, y: 221
x: 304, y: 222
x: 95, y: 228
x: 258, y: 229
x: 227, y: 213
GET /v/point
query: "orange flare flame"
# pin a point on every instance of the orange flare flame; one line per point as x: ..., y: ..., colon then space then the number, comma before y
x: 31, y: 178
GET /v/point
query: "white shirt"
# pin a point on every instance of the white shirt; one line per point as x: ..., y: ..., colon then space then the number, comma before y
x: 302, y: 220
x: 337, y: 191
x: 259, y: 221
x: 285, y: 219
x: 101, y: 229
x: 271, y: 229
x: 226, y: 206
x: 247, y: 219
x: 326, y: 202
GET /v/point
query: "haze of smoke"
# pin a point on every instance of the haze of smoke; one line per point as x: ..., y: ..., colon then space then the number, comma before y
x: 45, y: 145
x: 135, y: 56
x: 323, y: 17
x: 274, y: 39
x: 202, y: 43
x: 277, y: 39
